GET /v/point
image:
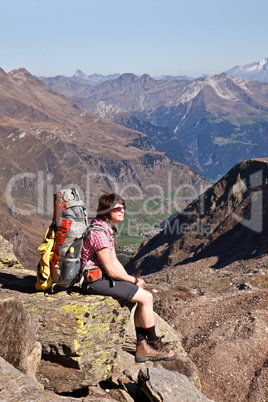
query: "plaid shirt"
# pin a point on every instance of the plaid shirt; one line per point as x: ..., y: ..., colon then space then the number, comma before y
x: 97, y: 240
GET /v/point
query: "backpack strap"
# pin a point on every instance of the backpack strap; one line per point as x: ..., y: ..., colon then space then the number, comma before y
x: 85, y: 267
x: 96, y: 227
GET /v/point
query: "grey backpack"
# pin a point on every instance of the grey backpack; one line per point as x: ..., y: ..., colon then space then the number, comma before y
x: 70, y: 222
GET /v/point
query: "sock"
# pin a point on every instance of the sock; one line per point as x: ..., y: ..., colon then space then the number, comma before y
x: 150, y: 333
x: 140, y: 333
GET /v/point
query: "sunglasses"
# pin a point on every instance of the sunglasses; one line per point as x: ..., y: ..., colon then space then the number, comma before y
x: 118, y: 209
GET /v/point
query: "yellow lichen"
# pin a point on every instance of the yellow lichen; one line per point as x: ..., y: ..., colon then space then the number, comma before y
x: 7, y: 299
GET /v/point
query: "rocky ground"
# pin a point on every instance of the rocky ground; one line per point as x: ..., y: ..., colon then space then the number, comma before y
x: 222, y: 317
x: 71, y: 346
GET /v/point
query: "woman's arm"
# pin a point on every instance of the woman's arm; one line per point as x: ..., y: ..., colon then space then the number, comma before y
x: 115, y: 269
x: 140, y: 282
x: 116, y: 262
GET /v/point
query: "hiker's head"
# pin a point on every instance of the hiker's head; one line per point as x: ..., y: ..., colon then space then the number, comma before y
x: 106, y: 204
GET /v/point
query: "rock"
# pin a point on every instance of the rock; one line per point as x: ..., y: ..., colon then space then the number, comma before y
x: 16, y: 386
x: 160, y: 385
x: 81, y: 338
x: 19, y: 345
x: 85, y: 339
x: 81, y: 335
x: 7, y: 257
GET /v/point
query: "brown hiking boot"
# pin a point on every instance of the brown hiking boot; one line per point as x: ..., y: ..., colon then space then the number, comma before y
x: 145, y: 352
x: 159, y: 346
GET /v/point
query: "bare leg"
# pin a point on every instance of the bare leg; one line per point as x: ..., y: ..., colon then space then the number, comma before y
x: 152, y: 349
x: 144, y: 314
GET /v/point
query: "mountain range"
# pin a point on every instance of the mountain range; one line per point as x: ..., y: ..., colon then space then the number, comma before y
x: 256, y: 71
x: 215, y: 121
x: 48, y: 142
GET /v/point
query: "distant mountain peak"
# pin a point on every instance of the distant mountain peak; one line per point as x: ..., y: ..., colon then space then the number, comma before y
x: 21, y: 74
x: 146, y: 78
x: 257, y: 71
x: 127, y: 78
x: 80, y: 74
x: 128, y: 75
x: 257, y: 66
x: 220, y: 83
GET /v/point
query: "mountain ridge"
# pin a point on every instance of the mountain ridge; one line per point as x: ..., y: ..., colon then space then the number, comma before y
x: 221, y: 119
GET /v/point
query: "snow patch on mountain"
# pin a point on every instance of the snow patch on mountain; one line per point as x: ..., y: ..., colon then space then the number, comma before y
x: 252, y: 72
x: 219, y: 83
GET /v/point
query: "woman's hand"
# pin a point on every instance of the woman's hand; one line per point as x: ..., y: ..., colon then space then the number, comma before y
x: 140, y: 283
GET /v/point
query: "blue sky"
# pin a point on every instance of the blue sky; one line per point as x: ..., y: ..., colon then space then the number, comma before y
x: 176, y: 37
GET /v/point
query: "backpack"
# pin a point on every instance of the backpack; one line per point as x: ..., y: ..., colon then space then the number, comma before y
x: 70, y: 221
x: 61, y: 248
x: 60, y: 252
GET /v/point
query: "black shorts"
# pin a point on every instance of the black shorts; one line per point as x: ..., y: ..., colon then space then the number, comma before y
x: 104, y: 286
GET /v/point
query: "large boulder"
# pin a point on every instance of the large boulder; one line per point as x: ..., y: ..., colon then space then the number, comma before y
x: 81, y: 338
x: 19, y: 344
x: 85, y: 339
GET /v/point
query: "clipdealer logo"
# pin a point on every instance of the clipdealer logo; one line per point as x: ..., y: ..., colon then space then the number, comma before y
x: 165, y: 200
x: 45, y: 189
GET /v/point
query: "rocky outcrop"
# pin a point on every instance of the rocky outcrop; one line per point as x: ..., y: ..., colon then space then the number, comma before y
x: 158, y: 384
x: 70, y: 343
x: 230, y: 221
x: 81, y: 336
x: 16, y: 386
x: 7, y: 257
x: 18, y: 338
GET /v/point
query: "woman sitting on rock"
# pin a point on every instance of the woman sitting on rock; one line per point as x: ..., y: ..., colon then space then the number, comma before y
x: 98, y: 251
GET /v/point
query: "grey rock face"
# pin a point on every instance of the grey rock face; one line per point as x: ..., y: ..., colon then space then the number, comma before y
x: 160, y: 385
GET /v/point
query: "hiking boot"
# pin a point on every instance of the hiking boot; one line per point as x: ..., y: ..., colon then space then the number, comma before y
x: 145, y: 352
x: 159, y: 346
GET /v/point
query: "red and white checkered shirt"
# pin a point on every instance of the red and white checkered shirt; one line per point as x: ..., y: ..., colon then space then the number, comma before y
x: 97, y: 240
